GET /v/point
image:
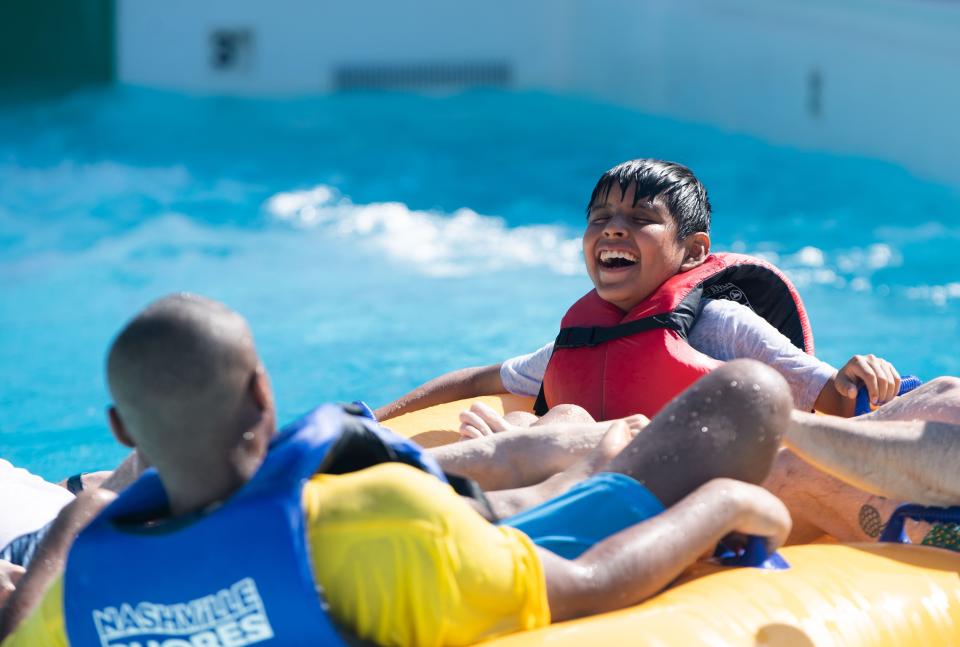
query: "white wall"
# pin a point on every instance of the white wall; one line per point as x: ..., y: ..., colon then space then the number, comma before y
x: 298, y: 43
x: 889, y: 69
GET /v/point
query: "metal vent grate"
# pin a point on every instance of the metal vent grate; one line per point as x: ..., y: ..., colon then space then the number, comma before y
x: 421, y: 76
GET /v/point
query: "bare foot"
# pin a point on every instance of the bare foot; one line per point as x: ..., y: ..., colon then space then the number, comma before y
x: 636, y: 422
x: 481, y: 420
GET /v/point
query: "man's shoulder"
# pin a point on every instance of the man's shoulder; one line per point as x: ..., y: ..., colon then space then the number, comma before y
x: 382, y: 492
x: 390, y: 474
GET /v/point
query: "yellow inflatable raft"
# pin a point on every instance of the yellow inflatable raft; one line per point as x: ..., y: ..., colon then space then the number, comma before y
x: 833, y: 595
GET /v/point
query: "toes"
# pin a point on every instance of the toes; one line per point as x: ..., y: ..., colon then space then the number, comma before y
x: 471, y: 419
x: 636, y: 423
x: 469, y: 432
x: 492, y: 419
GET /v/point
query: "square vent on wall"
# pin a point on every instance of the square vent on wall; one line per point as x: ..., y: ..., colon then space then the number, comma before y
x: 231, y: 50
x: 421, y: 76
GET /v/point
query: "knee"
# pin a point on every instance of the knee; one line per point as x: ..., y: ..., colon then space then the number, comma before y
x: 520, y: 418
x: 569, y: 413
x: 944, y: 385
x: 754, y: 407
x: 755, y: 388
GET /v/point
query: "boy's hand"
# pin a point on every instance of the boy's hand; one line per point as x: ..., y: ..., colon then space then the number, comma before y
x: 755, y: 511
x: 877, y: 374
x: 10, y: 574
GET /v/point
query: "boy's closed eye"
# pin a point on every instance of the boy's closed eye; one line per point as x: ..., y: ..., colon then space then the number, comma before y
x: 598, y: 219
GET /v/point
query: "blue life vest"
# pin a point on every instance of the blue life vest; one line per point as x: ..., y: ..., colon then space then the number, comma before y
x: 238, y: 574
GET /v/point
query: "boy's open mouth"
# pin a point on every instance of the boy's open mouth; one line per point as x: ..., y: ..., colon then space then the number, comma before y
x: 612, y: 259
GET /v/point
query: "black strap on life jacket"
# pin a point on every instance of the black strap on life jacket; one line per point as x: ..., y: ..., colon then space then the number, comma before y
x: 680, y: 320
x: 358, y: 448
x: 583, y: 337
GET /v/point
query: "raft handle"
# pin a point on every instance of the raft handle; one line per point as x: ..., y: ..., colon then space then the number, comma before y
x: 894, y: 533
x: 907, y: 383
x: 754, y: 555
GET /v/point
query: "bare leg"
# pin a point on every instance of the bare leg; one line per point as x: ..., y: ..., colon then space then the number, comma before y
x: 909, y: 460
x: 565, y: 414
x: 508, y: 502
x: 728, y: 424
x: 528, y: 456
x: 821, y: 504
x: 520, y: 418
x: 905, y: 450
x: 562, y: 414
x: 936, y: 401
x: 480, y: 420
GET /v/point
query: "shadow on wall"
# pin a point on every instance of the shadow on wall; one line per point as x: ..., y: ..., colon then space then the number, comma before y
x: 59, y: 43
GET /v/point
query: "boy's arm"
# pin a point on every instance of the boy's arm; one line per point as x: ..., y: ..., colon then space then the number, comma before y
x: 728, y: 330
x: 458, y: 385
x: 839, y: 395
x: 116, y: 480
x: 637, y: 562
x: 834, y: 403
x: 51, y: 556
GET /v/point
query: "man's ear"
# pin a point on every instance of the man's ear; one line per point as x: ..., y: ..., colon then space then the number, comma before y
x: 696, y: 249
x: 260, y: 389
x: 119, y: 429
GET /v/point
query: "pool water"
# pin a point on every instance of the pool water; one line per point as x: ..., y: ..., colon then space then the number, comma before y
x: 377, y: 240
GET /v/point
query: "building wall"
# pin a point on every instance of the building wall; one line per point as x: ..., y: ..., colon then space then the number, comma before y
x: 296, y: 46
x: 871, y: 77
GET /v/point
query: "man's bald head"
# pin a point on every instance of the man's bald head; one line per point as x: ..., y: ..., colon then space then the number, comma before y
x: 180, y: 373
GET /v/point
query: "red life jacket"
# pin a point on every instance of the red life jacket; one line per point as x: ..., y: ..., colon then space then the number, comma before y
x: 615, y: 364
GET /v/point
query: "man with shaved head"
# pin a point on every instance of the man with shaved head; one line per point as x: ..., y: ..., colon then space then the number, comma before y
x: 245, y: 536
x: 190, y: 393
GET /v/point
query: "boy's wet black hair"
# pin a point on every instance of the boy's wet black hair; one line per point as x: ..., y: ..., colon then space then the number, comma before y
x: 676, y: 186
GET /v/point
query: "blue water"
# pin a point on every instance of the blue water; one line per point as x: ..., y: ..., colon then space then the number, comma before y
x: 376, y: 240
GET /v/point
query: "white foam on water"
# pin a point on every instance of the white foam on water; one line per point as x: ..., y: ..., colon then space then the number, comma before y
x: 465, y: 242
x: 438, y: 244
x: 938, y: 294
x: 851, y: 268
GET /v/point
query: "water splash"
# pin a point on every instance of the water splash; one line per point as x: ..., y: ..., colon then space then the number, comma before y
x: 439, y: 244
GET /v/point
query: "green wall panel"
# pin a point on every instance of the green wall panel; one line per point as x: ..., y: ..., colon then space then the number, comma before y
x: 56, y: 42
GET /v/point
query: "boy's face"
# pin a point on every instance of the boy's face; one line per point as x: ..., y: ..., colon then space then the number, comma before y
x: 630, y: 250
